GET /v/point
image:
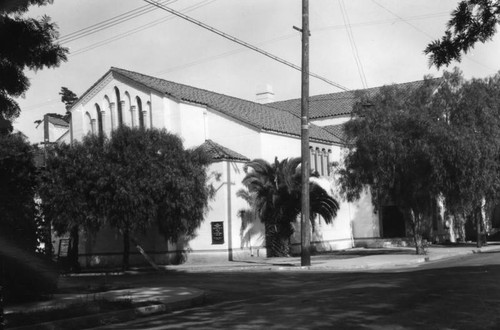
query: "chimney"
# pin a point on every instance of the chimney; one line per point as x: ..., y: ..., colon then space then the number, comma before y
x: 264, y: 94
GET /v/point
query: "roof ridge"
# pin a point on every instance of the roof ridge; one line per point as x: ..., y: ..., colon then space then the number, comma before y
x: 202, y: 89
x: 353, y: 91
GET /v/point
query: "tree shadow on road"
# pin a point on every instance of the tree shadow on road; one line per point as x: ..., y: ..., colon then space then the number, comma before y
x: 451, y: 298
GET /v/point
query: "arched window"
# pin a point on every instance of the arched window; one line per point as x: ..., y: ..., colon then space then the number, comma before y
x: 139, y: 112
x: 111, y: 111
x: 128, y: 112
x: 150, y: 117
x: 119, y: 107
x: 88, y: 124
x: 100, y: 128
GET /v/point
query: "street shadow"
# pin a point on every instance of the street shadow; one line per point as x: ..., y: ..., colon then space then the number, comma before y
x: 449, y: 298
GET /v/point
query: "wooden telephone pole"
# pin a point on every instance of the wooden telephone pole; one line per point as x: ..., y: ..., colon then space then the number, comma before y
x: 305, y: 241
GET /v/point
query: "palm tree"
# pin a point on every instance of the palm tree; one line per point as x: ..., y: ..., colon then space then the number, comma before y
x: 277, y: 200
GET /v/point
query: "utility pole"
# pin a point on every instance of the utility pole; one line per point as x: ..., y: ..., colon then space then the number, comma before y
x: 305, y: 241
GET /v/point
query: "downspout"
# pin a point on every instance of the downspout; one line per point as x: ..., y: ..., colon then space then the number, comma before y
x: 229, y: 215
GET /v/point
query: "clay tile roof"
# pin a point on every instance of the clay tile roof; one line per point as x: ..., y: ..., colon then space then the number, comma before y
x: 335, y: 104
x: 218, y: 152
x: 337, y: 131
x: 261, y: 116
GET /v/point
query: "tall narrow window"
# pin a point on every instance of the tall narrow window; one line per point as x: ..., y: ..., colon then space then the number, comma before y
x: 128, y: 110
x: 323, y: 161
x: 110, y: 109
x: 88, y: 123
x: 139, y: 112
x: 119, y: 107
x: 150, y: 114
x: 100, y: 129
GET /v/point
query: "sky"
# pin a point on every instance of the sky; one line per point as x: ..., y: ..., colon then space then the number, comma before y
x: 384, y: 45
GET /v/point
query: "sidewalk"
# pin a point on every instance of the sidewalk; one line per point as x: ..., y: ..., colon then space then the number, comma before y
x: 349, y: 260
x: 164, y: 299
x: 173, y: 298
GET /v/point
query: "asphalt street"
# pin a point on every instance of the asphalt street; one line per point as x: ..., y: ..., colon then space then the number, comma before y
x: 460, y: 293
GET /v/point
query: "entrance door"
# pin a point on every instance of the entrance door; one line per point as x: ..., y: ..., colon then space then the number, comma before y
x: 393, y: 222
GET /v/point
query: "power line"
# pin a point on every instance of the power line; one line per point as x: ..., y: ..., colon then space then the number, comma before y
x: 421, y: 31
x: 108, y: 23
x: 384, y: 21
x: 241, y: 42
x: 284, y: 37
x: 221, y: 55
x: 352, y: 41
x: 402, y: 19
x: 138, y: 29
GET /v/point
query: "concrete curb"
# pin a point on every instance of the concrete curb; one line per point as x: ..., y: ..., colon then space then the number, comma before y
x: 383, y: 265
x: 102, y: 319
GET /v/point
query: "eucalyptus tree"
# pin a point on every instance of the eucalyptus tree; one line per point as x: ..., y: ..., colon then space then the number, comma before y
x: 441, y: 139
x: 472, y: 153
x: 394, y: 150
x: 276, y: 190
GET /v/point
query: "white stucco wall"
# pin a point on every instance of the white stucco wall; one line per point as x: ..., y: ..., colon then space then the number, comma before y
x: 105, y: 97
x: 223, y: 209
x: 192, y: 127
x: 234, y: 135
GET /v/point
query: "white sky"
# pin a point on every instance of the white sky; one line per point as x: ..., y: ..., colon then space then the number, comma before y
x: 390, y: 36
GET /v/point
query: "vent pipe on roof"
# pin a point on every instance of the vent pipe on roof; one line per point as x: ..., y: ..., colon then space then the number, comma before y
x: 264, y: 94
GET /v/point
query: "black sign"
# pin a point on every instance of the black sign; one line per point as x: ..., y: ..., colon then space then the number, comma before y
x: 218, y: 232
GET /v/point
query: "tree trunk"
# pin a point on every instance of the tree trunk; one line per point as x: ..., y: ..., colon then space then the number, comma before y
x: 126, y: 249
x: 49, y: 248
x: 74, y: 265
x: 478, y: 214
x: 415, y: 221
x: 276, y: 246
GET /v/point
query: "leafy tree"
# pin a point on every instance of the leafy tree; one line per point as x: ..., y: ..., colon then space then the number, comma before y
x: 276, y: 190
x: 472, y: 159
x: 395, y: 138
x: 155, y: 182
x: 472, y: 21
x: 68, y: 97
x: 17, y: 190
x: 136, y: 180
x: 5, y: 126
x: 27, y: 43
x: 413, y: 146
x: 73, y: 187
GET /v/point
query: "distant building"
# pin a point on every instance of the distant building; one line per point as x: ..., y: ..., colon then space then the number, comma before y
x: 53, y: 128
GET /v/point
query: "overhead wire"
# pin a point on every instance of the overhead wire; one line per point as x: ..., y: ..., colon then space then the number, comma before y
x: 221, y: 55
x: 294, y: 35
x: 422, y: 31
x: 352, y: 41
x: 110, y: 22
x: 243, y: 43
x: 383, y: 21
x: 137, y: 29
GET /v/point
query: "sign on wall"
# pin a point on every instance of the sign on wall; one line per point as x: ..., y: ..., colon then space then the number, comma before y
x: 218, y: 232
